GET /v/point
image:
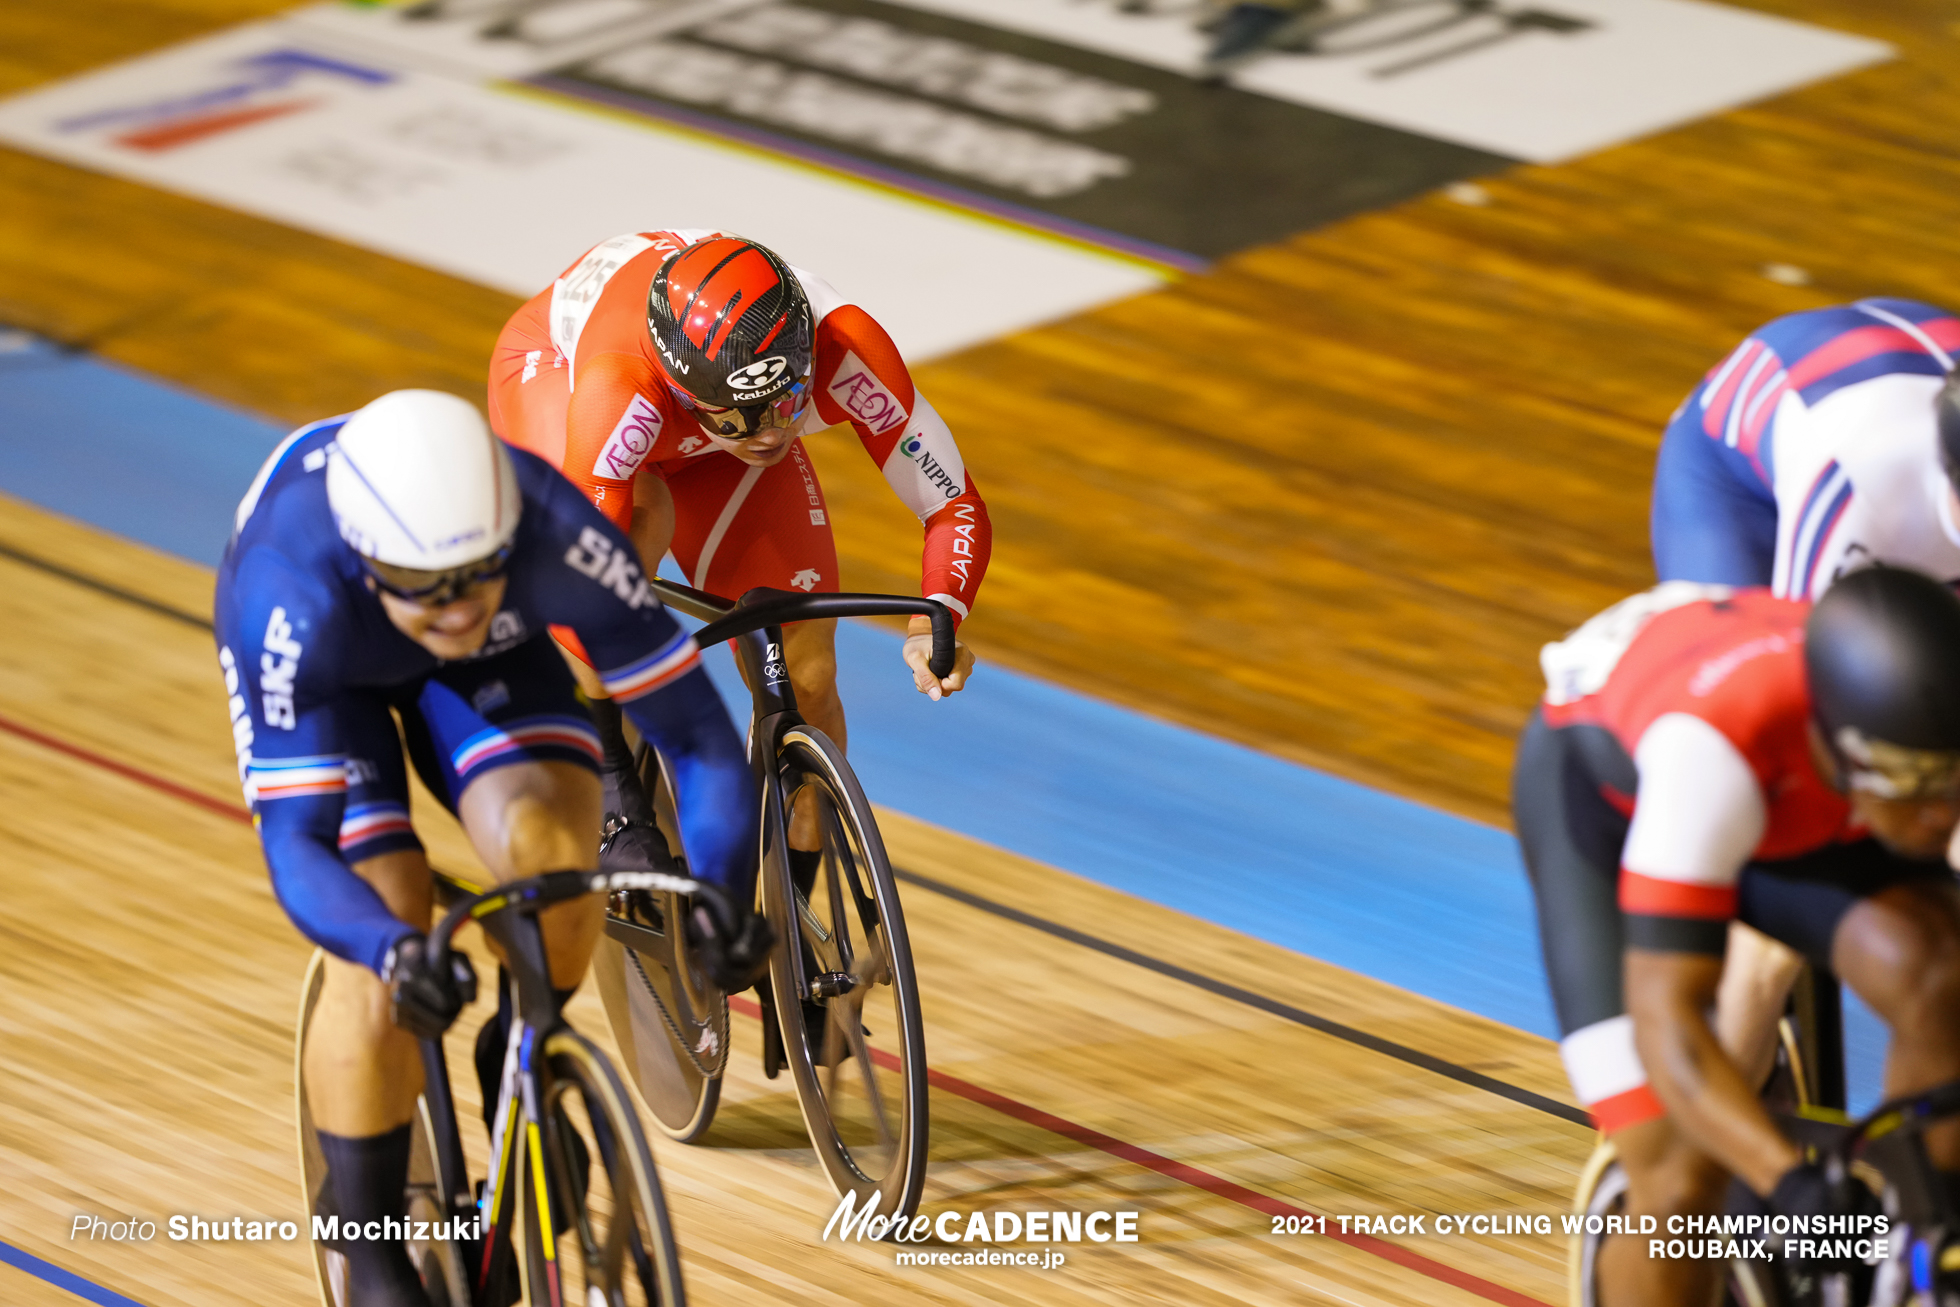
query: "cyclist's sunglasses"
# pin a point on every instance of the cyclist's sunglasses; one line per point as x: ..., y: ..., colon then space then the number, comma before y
x: 1891, y: 771
x: 749, y: 420
x: 433, y: 589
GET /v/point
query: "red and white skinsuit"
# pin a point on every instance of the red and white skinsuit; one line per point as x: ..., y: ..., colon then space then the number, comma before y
x: 575, y: 379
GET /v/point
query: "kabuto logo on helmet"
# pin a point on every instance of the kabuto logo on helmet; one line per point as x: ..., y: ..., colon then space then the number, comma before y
x: 763, y: 374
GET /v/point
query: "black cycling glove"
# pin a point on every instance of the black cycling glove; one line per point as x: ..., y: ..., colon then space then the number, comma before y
x: 1805, y: 1190
x: 423, y: 999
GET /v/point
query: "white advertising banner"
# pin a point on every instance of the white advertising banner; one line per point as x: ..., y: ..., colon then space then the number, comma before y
x: 505, y: 187
x: 1543, y: 80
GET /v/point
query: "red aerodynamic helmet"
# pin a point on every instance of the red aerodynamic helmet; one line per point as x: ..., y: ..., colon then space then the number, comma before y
x: 734, y: 333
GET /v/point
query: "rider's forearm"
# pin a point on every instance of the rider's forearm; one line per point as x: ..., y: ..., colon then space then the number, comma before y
x: 331, y: 906
x: 714, y: 791
x: 953, y: 559
x: 1706, y: 1095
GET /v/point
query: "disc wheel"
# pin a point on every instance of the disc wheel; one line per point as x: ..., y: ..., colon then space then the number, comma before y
x: 670, y: 1020
x: 616, y: 1245
x: 671, y: 1023
x: 855, y: 1043
x: 440, y: 1261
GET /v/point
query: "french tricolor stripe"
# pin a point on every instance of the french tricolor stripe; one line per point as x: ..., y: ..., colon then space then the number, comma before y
x: 669, y: 663
x: 292, y: 778
x: 1745, y: 391
x: 1752, y: 419
x: 372, y: 820
x: 1719, y: 391
x: 1833, y: 514
x: 526, y: 734
x: 1823, y: 506
x: 1855, y: 347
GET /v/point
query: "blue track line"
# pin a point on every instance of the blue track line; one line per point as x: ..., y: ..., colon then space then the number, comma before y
x: 63, y: 1279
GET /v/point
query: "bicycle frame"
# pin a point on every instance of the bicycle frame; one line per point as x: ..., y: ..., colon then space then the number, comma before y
x: 522, y: 1152
x: 754, y: 624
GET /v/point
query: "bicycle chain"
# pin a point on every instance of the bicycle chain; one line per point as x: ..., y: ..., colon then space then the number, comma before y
x: 717, y: 1022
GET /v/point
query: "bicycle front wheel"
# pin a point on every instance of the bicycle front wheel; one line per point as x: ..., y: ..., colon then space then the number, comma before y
x: 1602, y: 1194
x: 855, y: 1043
x: 614, y: 1244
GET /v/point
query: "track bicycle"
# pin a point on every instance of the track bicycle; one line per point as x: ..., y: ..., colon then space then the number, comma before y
x: 840, y: 1004
x: 551, y: 1223
x: 1885, y: 1151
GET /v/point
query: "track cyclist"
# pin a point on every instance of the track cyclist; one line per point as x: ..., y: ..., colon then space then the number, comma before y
x: 1703, y: 755
x: 673, y: 375
x: 1825, y: 440
x: 402, y: 561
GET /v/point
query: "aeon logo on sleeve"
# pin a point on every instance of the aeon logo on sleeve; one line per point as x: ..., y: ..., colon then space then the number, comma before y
x: 248, y: 91
x: 630, y: 442
x: 864, y: 397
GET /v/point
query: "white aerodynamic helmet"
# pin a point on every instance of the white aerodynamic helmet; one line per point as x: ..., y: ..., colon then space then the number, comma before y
x: 416, y: 480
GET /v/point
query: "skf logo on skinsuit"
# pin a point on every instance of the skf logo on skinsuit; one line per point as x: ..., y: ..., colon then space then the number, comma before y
x: 239, y: 100
x: 759, y: 375
x: 630, y: 442
x: 241, y: 720
x: 276, y: 677
x: 865, y: 397
x: 595, y: 557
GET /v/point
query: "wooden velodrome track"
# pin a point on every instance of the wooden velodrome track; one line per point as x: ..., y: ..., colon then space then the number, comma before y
x: 1450, y: 415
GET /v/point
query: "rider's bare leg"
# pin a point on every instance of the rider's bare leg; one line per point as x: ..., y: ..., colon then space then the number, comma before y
x: 1757, y: 973
x: 536, y: 817
x: 1900, y: 951
x: 362, y: 1071
x: 1666, y: 1176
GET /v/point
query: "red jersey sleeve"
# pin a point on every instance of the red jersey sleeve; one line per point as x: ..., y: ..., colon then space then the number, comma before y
x: 610, y: 428
x: 861, y: 379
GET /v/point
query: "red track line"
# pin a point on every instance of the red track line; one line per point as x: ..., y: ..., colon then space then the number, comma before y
x: 1081, y: 1134
x: 127, y: 772
x: 1191, y: 1175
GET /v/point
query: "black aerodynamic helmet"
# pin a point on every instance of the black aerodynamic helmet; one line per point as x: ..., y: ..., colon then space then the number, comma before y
x: 734, y: 333
x: 1882, y: 652
x: 1946, y: 407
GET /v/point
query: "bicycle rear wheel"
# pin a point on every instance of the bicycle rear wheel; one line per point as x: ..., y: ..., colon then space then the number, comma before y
x: 440, y: 1261
x: 856, y: 1043
x: 670, y: 1021
x: 617, y: 1249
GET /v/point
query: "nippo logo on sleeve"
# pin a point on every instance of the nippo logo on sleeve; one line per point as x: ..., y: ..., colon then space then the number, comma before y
x: 864, y: 397
x: 630, y: 442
